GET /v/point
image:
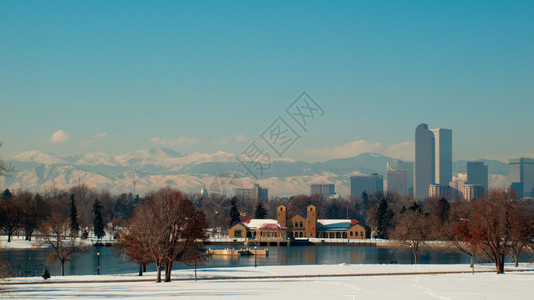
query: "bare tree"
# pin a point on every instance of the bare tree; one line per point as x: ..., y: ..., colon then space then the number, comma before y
x: 34, y: 212
x: 5, y: 168
x: 10, y: 216
x: 411, y: 229
x: 167, y: 228
x: 493, y: 218
x: 55, y: 234
x: 460, y: 230
x: 84, y: 196
x: 522, y: 229
x: 132, y: 246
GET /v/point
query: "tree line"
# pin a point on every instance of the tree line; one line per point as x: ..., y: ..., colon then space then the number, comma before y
x: 496, y: 226
x: 493, y: 227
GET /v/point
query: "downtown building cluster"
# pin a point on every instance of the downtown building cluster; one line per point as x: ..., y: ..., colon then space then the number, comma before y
x: 433, y: 176
x: 431, y: 173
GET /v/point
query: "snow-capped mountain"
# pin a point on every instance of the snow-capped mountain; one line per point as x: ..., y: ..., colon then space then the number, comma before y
x: 157, y: 167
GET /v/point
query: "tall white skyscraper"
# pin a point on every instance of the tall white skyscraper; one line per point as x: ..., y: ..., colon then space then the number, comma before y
x: 433, y: 159
x: 424, y: 168
x: 443, y: 156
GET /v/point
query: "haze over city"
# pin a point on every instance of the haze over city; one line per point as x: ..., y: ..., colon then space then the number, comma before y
x: 208, y: 78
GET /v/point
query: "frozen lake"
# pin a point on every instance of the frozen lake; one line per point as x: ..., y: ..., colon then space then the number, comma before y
x: 31, y: 262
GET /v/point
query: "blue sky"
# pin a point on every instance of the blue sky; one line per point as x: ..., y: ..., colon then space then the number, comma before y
x: 211, y: 76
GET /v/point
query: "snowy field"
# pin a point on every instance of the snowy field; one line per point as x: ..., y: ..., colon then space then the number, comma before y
x: 512, y: 285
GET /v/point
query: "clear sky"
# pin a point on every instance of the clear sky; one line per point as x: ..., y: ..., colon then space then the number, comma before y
x: 118, y: 76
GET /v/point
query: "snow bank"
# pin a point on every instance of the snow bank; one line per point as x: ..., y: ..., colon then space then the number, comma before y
x: 512, y: 285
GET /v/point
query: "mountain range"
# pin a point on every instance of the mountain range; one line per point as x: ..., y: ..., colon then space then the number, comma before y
x: 190, y: 172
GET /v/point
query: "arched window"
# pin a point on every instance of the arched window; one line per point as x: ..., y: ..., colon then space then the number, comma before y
x: 268, y: 234
x: 274, y: 234
x: 338, y: 235
x: 301, y: 224
x: 344, y: 235
x: 301, y: 235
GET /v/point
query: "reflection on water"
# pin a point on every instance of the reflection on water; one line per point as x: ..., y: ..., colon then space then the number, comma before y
x: 31, y: 262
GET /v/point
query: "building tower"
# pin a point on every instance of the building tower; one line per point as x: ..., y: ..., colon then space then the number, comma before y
x: 311, y: 221
x: 443, y: 156
x: 407, y: 167
x: 366, y: 183
x: 424, y: 168
x: 324, y: 189
x: 477, y: 173
x: 521, y: 173
x: 396, y: 180
x: 281, y: 215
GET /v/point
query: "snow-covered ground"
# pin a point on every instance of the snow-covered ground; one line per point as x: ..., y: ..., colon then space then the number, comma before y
x: 512, y: 285
x: 18, y: 242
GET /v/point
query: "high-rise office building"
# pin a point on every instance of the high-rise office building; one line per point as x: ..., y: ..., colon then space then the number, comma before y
x: 477, y: 173
x: 424, y: 167
x: 396, y: 181
x: 433, y: 159
x: 521, y: 174
x: 326, y: 190
x: 366, y: 183
x: 255, y: 193
x: 407, y: 167
x: 443, y: 156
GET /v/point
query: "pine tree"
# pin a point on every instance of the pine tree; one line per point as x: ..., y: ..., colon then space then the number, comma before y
x: 260, y: 212
x: 384, y: 216
x: 7, y: 194
x: 234, y: 212
x: 98, y: 222
x: 73, y: 216
x: 46, y: 273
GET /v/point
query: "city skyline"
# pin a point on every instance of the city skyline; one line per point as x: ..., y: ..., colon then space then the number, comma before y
x: 116, y: 77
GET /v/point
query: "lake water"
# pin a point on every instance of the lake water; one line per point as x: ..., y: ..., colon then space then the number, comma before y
x: 31, y: 262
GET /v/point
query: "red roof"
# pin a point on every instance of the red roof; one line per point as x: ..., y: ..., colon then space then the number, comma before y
x: 273, y: 226
x: 353, y: 222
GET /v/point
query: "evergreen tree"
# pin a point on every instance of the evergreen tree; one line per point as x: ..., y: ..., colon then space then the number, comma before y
x: 234, y: 212
x: 73, y: 216
x: 260, y: 212
x: 46, y: 273
x: 98, y: 222
x: 7, y: 194
x: 365, y: 204
x: 384, y: 216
